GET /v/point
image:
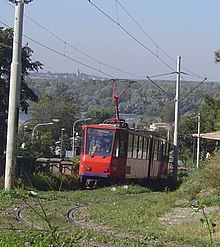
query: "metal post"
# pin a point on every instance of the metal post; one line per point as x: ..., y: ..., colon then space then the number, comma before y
x: 175, y: 138
x: 14, y: 98
x: 61, y: 143
x: 198, y: 143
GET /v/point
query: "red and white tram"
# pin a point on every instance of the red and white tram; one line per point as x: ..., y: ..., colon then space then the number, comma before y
x: 114, y: 152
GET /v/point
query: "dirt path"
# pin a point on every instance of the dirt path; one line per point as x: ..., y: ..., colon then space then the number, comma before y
x: 180, y: 215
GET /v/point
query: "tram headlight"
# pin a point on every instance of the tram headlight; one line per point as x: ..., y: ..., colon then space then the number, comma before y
x: 88, y: 168
x: 105, y: 170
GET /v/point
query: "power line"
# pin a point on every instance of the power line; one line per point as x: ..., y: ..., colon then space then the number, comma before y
x: 86, y: 65
x: 62, y: 54
x: 158, y: 87
x: 194, y: 88
x: 153, y: 40
x: 162, y: 74
x: 153, y: 53
x: 85, y: 54
x: 132, y: 36
x: 117, y: 2
x: 78, y: 50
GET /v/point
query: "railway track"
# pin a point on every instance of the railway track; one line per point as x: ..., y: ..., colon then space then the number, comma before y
x: 73, y: 216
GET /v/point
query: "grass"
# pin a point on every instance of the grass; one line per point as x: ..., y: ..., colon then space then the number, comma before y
x: 136, y: 216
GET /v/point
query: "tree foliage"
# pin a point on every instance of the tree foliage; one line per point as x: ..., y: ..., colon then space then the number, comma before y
x: 209, y: 122
x: 217, y: 56
x: 26, y: 93
x: 167, y: 114
x: 63, y: 108
x: 99, y: 115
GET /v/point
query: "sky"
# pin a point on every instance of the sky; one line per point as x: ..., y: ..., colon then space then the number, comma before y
x: 122, y: 38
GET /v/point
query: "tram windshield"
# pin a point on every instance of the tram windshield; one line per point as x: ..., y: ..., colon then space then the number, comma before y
x: 99, y: 141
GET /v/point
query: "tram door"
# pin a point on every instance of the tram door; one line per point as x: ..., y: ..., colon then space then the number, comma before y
x: 119, y: 155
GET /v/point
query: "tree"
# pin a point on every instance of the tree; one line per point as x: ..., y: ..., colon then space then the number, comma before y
x: 6, y: 43
x: 210, y: 113
x: 167, y: 114
x: 99, y: 115
x: 217, y: 56
x: 210, y: 122
x: 63, y: 108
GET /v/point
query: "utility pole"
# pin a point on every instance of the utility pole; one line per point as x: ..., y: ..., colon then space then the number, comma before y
x: 175, y: 138
x: 14, y: 95
x: 198, y: 143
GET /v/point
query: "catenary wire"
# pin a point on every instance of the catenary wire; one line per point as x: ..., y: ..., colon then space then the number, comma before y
x: 99, y: 70
x: 194, y: 74
x: 62, y: 54
x: 88, y: 66
x: 101, y: 63
x: 132, y: 36
x: 194, y: 88
x: 78, y: 50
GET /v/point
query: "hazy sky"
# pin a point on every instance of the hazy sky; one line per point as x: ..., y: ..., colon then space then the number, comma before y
x: 142, y: 38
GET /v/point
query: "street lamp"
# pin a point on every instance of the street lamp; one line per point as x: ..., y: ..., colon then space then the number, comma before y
x: 40, y: 124
x: 61, y: 143
x: 24, y: 124
x: 79, y: 120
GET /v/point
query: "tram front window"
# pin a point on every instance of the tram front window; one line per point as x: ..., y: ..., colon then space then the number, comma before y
x: 99, y: 141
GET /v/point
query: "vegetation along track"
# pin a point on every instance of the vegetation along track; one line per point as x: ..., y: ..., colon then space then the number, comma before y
x: 74, y: 215
x: 80, y: 223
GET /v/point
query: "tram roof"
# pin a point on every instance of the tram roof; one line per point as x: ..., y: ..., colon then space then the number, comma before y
x: 212, y: 135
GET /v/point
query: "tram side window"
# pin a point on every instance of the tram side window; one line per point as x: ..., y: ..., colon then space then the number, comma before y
x: 120, y: 145
x: 140, y: 147
x: 135, y: 147
x: 165, y: 151
x: 130, y: 145
x: 156, y: 149
x: 145, y: 147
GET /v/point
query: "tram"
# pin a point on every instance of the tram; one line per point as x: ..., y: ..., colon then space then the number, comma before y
x: 113, y: 152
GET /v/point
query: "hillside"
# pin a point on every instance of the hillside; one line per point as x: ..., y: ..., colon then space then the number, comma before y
x: 143, y: 98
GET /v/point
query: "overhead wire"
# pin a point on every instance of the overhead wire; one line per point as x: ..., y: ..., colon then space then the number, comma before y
x: 66, y: 43
x: 192, y: 73
x: 62, y: 54
x: 78, y: 50
x: 157, y: 46
x: 117, y: 2
x: 158, y: 87
x: 132, y: 36
x: 149, y: 50
x: 194, y: 88
x: 86, y: 65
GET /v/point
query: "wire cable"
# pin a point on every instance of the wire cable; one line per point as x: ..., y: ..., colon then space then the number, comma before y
x: 194, y: 88
x: 76, y: 49
x: 88, y: 66
x: 152, y: 39
x: 85, y: 54
x: 159, y: 87
x: 101, y: 63
x: 132, y: 36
